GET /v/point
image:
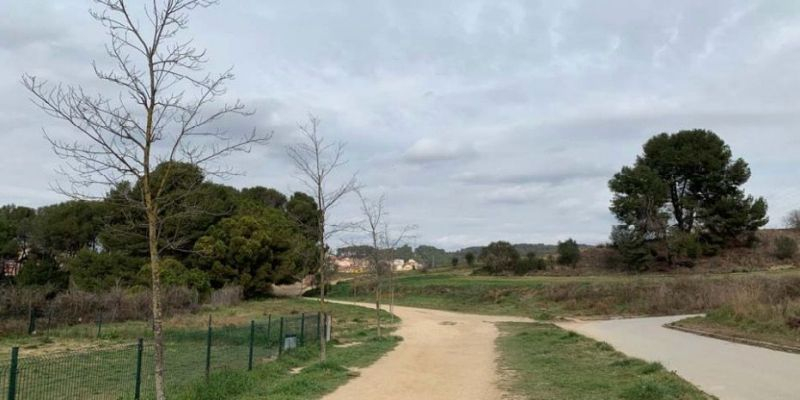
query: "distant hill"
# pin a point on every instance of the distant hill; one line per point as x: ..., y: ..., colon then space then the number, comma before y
x: 522, y: 248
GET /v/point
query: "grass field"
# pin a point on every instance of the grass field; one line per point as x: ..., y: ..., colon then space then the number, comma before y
x: 71, y: 361
x: 544, y: 362
x: 297, y: 376
x: 544, y: 297
x: 757, y: 324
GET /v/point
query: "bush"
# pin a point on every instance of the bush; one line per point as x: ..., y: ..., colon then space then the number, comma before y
x: 793, y: 220
x: 499, y: 257
x: 231, y: 296
x: 77, y: 306
x: 568, y: 253
x: 785, y: 248
x: 39, y: 270
x: 634, y: 254
x: 101, y: 271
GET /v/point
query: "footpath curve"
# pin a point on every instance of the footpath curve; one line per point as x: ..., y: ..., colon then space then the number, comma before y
x: 730, y: 371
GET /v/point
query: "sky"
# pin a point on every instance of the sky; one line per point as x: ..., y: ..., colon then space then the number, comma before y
x: 479, y: 120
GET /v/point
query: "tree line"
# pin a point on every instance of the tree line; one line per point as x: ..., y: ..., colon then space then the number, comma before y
x: 212, y: 236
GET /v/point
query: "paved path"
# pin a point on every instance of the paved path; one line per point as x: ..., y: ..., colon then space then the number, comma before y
x: 727, y: 370
x: 443, y: 355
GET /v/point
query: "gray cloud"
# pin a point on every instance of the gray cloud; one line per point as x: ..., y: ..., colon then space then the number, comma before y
x: 481, y: 120
x: 433, y: 149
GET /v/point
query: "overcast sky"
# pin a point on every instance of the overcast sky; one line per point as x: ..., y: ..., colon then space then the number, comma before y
x: 480, y: 120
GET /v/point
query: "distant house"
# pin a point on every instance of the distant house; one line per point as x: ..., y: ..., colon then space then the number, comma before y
x: 350, y: 265
x: 403, y: 265
x: 11, y: 267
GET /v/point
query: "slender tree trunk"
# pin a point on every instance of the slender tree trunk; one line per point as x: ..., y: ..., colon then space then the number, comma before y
x: 391, y: 295
x: 323, y: 350
x: 155, y: 270
x: 378, y: 306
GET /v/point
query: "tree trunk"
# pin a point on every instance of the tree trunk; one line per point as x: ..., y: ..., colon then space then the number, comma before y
x: 155, y: 271
x: 391, y: 290
x: 323, y: 350
x: 378, y: 306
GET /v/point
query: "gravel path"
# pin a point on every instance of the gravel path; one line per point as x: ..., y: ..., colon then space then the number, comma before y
x: 724, y: 369
x: 443, y: 355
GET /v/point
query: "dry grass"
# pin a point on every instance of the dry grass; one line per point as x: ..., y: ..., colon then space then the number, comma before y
x: 605, y: 295
x: 667, y: 296
x: 76, y: 307
x: 754, y: 315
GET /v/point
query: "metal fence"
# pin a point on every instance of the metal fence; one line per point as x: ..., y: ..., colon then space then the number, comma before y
x: 126, y: 371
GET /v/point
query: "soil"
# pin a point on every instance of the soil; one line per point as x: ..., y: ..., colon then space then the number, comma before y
x: 443, y: 355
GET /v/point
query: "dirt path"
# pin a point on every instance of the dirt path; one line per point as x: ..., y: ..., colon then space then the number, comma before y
x: 727, y: 370
x: 443, y: 355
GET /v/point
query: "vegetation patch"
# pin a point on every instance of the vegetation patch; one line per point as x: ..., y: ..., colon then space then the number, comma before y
x: 604, y: 295
x: 546, y: 362
x: 769, y: 325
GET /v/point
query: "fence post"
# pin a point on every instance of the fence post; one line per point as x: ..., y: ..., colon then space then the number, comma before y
x: 12, y: 374
x: 319, y: 326
x: 99, y: 323
x: 31, y: 320
x: 302, y: 329
x: 137, y: 394
x: 208, y: 349
x: 269, y: 325
x: 280, y: 339
x: 252, y: 336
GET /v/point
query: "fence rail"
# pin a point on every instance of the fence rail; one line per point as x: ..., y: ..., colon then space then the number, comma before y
x: 126, y: 371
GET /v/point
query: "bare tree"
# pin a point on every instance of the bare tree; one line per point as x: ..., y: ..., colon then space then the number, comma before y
x: 316, y: 161
x: 165, y: 111
x: 793, y: 220
x: 382, y: 244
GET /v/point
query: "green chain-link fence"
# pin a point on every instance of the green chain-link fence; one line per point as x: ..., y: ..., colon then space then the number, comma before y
x: 126, y: 371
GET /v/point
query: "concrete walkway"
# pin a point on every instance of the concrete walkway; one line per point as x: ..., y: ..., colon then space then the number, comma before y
x: 727, y: 370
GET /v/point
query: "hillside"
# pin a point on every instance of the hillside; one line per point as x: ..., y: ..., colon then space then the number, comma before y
x: 761, y: 256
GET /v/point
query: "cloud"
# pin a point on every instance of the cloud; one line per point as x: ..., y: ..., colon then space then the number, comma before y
x: 481, y: 120
x: 430, y: 149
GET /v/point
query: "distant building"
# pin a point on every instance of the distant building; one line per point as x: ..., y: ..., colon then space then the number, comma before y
x: 350, y: 265
x: 11, y: 267
x: 399, y: 265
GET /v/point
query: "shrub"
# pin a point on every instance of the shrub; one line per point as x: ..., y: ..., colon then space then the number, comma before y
x: 470, y: 259
x: 76, y: 306
x: 785, y: 248
x: 568, y: 253
x: 231, y: 296
x: 40, y: 269
x: 793, y: 220
x: 101, y: 271
x: 634, y: 254
x: 499, y: 257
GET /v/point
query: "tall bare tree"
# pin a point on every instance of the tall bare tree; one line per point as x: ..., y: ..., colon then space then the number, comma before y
x: 316, y: 160
x: 164, y: 110
x: 382, y: 243
x: 793, y: 220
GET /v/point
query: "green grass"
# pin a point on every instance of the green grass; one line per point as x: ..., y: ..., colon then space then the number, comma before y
x: 71, y: 361
x: 770, y: 325
x: 544, y: 362
x: 547, y: 297
x: 276, y: 380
